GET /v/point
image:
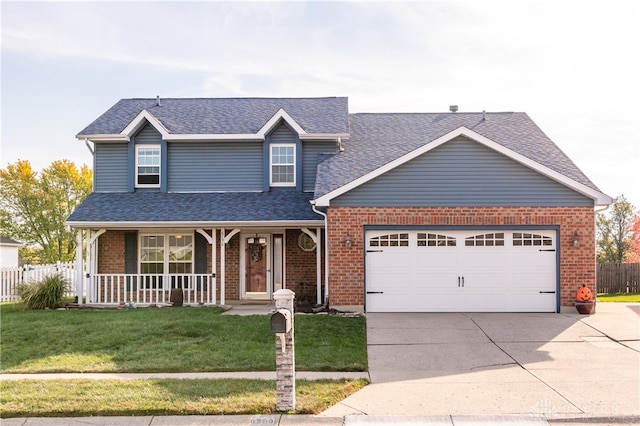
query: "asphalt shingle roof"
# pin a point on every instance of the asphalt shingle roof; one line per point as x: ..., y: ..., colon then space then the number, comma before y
x: 279, y: 204
x: 225, y: 115
x: 377, y: 139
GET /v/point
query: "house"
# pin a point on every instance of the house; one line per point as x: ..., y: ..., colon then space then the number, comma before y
x: 9, y: 252
x: 219, y: 200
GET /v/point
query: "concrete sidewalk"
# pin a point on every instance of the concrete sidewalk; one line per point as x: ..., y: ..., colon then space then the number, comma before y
x: 282, y: 420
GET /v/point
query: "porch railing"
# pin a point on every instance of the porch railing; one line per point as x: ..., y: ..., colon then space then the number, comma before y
x: 143, y: 289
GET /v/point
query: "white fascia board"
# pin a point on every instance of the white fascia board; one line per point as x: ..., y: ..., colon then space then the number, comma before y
x: 139, y: 121
x: 324, y: 136
x: 598, y: 197
x: 103, y: 138
x: 273, y: 121
x: 260, y: 135
x: 205, y: 137
x: 12, y: 245
x: 195, y: 225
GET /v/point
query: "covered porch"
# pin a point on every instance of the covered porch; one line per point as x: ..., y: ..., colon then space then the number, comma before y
x: 150, y: 248
x: 163, y: 267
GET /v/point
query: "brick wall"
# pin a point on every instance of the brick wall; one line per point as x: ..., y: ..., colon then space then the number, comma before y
x: 111, y: 252
x: 346, y: 273
x: 300, y: 264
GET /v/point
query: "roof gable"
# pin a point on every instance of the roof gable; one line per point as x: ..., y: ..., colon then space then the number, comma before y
x: 587, y: 190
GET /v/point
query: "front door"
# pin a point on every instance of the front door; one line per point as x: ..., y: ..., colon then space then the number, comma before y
x: 256, y: 260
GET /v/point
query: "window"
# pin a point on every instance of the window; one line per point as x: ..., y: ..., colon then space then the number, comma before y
x: 180, y: 254
x: 171, y: 254
x: 391, y: 240
x: 435, y: 240
x: 283, y: 165
x: 485, y: 240
x: 525, y: 239
x: 305, y: 242
x: 148, y: 166
x: 152, y: 254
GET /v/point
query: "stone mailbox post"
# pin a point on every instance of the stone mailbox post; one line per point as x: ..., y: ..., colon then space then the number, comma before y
x: 283, y: 328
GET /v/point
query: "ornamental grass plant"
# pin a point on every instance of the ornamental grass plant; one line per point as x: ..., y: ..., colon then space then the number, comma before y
x: 47, y: 293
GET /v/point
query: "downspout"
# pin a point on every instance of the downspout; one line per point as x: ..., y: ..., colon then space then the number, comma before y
x: 326, y: 251
x: 86, y: 142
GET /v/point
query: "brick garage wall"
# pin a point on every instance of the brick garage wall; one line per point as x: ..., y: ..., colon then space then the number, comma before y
x: 346, y: 273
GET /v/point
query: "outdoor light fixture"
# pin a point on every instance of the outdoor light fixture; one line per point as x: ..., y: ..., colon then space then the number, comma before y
x: 257, y: 240
x: 348, y: 241
x: 576, y: 240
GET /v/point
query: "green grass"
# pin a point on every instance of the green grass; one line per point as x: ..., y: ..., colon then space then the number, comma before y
x: 79, y: 398
x: 170, y: 340
x: 619, y: 298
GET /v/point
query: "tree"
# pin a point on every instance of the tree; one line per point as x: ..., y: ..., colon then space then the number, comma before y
x: 633, y: 255
x: 614, y: 231
x: 34, y: 206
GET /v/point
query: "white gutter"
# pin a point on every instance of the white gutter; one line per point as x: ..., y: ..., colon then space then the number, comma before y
x: 326, y: 250
x: 86, y: 142
x: 229, y: 224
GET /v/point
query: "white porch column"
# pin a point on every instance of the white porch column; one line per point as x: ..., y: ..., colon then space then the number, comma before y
x: 91, y: 262
x: 213, y: 283
x: 222, y: 267
x: 79, y: 270
x: 214, y: 279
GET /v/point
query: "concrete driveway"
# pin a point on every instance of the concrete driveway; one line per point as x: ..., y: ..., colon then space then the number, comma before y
x: 560, y: 366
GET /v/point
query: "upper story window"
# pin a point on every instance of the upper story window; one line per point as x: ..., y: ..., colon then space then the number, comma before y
x: 283, y: 165
x: 148, y: 166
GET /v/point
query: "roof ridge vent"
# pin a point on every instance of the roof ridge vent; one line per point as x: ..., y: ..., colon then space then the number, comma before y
x: 453, y: 108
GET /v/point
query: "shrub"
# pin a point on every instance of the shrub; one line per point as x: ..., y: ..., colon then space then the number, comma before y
x: 47, y: 293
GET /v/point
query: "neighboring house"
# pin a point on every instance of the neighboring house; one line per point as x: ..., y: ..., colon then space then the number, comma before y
x: 232, y: 199
x: 9, y: 252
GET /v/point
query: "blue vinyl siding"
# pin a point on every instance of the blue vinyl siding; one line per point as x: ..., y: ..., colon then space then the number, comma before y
x: 148, y: 135
x: 214, y: 166
x: 284, y: 135
x: 111, y: 167
x: 462, y: 173
x: 310, y: 152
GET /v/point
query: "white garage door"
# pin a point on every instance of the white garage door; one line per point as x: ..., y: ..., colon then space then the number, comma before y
x: 461, y: 271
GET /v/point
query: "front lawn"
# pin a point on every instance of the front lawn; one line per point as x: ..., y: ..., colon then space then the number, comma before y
x: 81, y: 398
x: 619, y: 298
x: 185, y: 339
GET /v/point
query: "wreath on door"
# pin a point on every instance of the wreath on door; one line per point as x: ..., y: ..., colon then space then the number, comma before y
x: 256, y: 252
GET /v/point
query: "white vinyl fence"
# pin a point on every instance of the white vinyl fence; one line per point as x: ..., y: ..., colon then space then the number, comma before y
x: 11, y: 277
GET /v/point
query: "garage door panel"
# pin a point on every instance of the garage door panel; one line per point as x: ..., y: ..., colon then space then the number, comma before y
x: 449, y: 271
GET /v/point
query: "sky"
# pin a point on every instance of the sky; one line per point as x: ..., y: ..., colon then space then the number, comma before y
x: 572, y: 66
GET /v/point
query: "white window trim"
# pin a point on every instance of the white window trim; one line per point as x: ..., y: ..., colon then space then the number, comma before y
x: 166, y: 261
x: 142, y: 185
x: 287, y: 145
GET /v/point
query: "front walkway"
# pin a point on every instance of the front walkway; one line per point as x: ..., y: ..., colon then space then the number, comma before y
x: 245, y: 307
